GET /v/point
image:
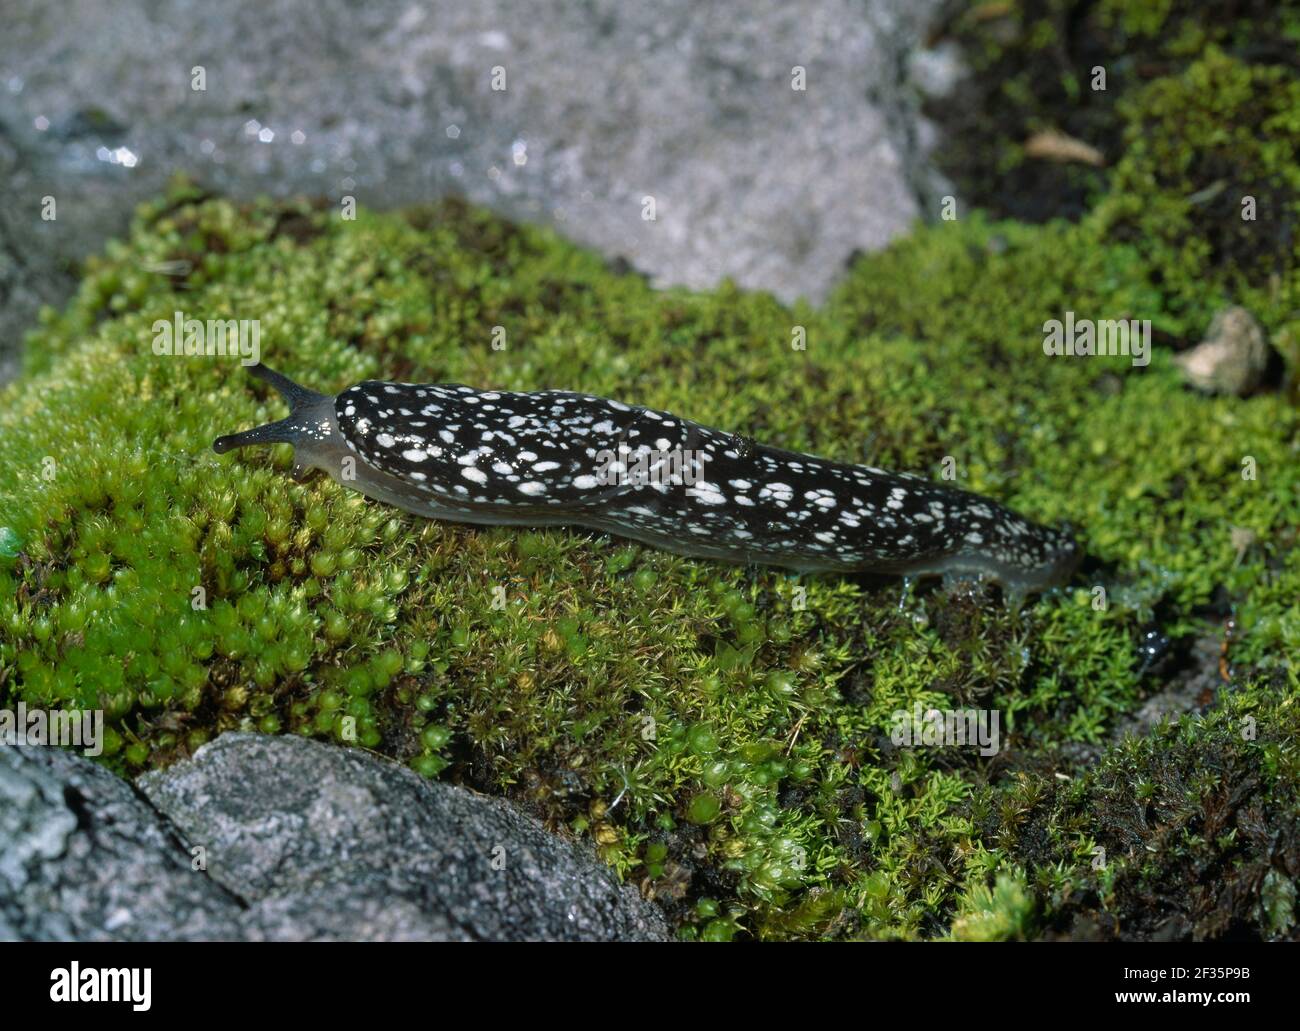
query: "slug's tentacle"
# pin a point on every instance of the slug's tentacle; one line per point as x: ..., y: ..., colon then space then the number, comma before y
x: 310, y: 426
x: 282, y: 432
x: 555, y: 458
x: 287, y: 431
x: 296, y: 394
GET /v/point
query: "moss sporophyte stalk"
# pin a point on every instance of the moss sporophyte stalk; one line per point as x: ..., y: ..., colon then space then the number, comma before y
x: 720, y: 734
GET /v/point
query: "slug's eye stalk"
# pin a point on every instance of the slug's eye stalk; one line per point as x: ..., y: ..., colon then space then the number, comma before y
x: 281, y: 432
x: 306, y: 408
x: 298, y: 396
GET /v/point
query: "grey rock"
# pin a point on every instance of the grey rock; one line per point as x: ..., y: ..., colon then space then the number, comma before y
x: 391, y: 101
x: 337, y: 842
x: 84, y: 858
x: 1232, y: 359
x: 37, y: 257
x: 938, y: 71
x: 283, y: 839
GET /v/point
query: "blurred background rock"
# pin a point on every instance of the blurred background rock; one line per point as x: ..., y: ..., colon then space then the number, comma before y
x: 392, y: 102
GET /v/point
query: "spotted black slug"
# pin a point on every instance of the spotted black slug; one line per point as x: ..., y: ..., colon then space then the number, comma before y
x: 553, y: 458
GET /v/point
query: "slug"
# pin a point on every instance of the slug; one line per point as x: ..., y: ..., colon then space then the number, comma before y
x: 552, y: 458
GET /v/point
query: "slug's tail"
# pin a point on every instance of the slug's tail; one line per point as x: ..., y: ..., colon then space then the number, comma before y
x: 286, y: 431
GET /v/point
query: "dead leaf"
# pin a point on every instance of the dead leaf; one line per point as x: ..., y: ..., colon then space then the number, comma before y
x: 1056, y: 146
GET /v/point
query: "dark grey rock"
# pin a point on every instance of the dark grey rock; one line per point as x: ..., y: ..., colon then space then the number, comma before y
x: 264, y: 838
x: 83, y: 857
x: 337, y: 842
x: 391, y: 101
x: 285, y: 839
x: 38, y: 258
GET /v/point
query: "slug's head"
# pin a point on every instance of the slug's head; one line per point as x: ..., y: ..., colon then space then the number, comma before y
x: 311, y: 426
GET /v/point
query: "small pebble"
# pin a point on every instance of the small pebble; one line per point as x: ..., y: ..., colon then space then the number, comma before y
x: 1233, y: 357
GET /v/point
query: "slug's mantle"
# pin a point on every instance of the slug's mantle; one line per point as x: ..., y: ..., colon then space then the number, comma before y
x: 556, y: 458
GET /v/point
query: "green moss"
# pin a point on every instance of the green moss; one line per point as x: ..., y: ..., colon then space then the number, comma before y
x: 1033, y: 69
x: 721, y: 735
x: 1001, y: 913
x: 1208, y: 190
x: 1191, y: 831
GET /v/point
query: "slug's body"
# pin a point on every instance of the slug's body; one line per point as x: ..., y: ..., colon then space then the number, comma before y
x: 555, y: 458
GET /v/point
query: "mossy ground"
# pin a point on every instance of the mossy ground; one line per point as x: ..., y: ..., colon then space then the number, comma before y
x: 723, y: 746
x: 1035, y: 62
